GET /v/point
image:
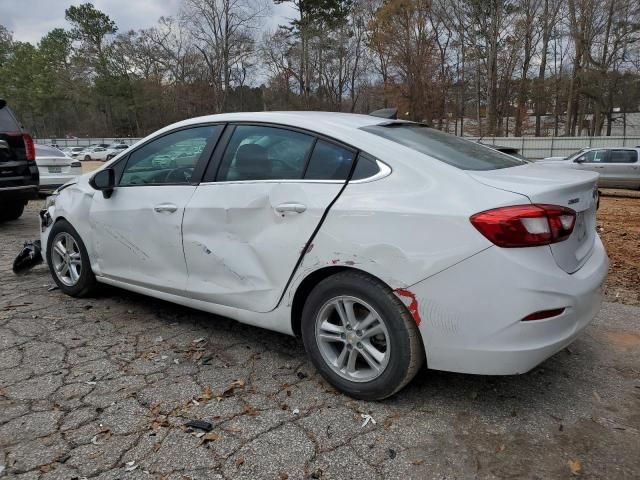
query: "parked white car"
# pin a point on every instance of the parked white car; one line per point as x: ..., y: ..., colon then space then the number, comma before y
x: 73, y: 152
x: 383, y: 244
x: 94, y: 153
x: 617, y: 167
x: 55, y: 167
x: 115, y: 150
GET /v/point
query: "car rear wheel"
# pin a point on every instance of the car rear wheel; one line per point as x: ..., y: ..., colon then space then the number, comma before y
x: 360, y: 336
x: 12, y: 210
x: 68, y: 260
x: 87, y: 158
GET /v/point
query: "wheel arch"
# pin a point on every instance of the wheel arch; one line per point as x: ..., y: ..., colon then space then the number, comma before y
x: 305, y: 287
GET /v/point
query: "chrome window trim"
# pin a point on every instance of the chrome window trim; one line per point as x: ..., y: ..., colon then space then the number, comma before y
x: 384, y: 171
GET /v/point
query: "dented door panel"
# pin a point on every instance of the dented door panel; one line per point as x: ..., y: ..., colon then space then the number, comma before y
x: 137, y: 242
x: 241, y: 245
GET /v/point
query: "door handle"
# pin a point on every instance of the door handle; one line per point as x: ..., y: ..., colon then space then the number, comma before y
x: 165, y: 207
x: 291, y: 207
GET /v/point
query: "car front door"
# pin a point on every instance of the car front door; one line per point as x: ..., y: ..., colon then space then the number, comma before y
x: 594, y: 161
x: 263, y: 196
x: 137, y: 231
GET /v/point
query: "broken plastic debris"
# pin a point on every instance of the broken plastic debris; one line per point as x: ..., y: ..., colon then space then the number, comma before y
x: 198, y: 340
x: 367, y: 418
x: 176, y: 361
x: 200, y: 425
x: 91, y: 383
x: 131, y: 466
x: 296, y: 411
x: 52, y: 288
x: 158, y: 339
x: 29, y: 257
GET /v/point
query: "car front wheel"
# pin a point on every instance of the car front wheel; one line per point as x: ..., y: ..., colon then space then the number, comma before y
x: 87, y: 158
x: 68, y: 260
x: 360, y: 336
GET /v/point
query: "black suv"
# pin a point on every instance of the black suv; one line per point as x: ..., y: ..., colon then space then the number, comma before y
x: 19, y: 178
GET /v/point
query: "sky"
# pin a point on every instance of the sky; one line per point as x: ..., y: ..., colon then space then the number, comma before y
x: 30, y: 20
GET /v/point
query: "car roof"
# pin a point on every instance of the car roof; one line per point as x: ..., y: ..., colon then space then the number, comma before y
x: 328, y: 123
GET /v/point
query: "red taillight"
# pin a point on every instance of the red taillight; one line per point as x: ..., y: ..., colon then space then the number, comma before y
x: 525, y: 225
x: 29, y: 148
x: 541, y: 315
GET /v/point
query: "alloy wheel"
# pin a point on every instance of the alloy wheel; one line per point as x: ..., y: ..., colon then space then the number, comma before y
x: 352, y: 338
x: 66, y: 259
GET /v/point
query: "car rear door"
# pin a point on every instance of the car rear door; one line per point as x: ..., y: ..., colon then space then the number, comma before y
x: 137, y: 231
x: 621, y: 168
x: 264, y: 194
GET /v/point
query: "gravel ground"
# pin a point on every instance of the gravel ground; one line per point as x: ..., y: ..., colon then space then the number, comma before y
x: 102, y: 388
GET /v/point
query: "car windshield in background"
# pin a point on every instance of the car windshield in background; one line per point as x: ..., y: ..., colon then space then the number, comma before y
x: 447, y: 148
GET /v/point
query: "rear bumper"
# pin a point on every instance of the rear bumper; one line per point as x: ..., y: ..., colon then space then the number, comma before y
x: 472, y: 312
x: 23, y: 192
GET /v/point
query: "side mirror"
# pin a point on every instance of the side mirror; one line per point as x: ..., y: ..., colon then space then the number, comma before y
x: 105, y: 181
x: 579, y: 160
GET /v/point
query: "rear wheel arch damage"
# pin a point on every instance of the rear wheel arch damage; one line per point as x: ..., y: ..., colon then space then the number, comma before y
x: 345, y: 344
x: 305, y: 287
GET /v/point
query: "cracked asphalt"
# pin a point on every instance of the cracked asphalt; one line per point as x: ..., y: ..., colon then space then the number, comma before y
x: 102, y: 388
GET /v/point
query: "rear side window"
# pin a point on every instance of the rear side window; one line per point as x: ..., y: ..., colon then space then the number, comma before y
x: 329, y: 162
x: 445, y: 147
x: 265, y: 153
x: 623, y: 156
x: 7, y: 122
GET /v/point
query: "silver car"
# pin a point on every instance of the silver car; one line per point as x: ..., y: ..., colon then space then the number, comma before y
x: 618, y: 167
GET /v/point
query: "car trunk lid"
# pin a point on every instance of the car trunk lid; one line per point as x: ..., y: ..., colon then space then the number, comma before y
x: 573, y: 189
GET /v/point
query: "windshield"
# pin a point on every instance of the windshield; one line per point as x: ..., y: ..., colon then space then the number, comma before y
x: 445, y: 147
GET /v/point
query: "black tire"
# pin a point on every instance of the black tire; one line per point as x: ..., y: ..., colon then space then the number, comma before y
x: 12, y: 210
x: 406, y: 349
x: 87, y: 158
x: 87, y: 280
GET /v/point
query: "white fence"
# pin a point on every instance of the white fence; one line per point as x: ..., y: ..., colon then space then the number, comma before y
x: 531, y: 147
x: 536, y: 148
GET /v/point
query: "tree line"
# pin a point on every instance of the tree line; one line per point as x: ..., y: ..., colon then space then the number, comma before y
x: 482, y: 67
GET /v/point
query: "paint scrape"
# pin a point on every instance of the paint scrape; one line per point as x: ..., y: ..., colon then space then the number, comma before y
x: 411, y: 302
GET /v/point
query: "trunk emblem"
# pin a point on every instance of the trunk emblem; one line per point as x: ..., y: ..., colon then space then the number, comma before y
x: 573, y: 200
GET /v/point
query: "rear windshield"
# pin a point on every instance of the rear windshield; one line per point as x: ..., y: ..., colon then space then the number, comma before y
x: 447, y: 148
x: 46, y: 151
x: 7, y: 122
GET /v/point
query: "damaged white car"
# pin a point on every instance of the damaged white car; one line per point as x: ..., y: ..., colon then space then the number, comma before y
x: 384, y: 244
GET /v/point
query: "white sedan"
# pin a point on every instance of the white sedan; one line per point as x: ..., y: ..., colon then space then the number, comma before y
x: 55, y: 167
x: 384, y: 244
x: 94, y: 153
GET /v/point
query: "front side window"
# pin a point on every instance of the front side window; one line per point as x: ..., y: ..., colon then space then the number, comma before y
x: 264, y: 153
x: 169, y: 159
x: 594, y: 156
x: 447, y: 148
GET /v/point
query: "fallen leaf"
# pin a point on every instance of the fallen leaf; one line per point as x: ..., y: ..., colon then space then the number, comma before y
x: 44, y: 468
x: 239, y: 461
x: 500, y: 448
x: 228, y: 391
x: 233, y: 429
x: 210, y: 437
x: 249, y: 410
x: 206, y: 395
x: 575, y: 466
x: 418, y: 462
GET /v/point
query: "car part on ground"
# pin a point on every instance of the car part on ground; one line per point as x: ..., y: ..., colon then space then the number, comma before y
x: 286, y: 220
x: 19, y: 179
x: 29, y: 257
